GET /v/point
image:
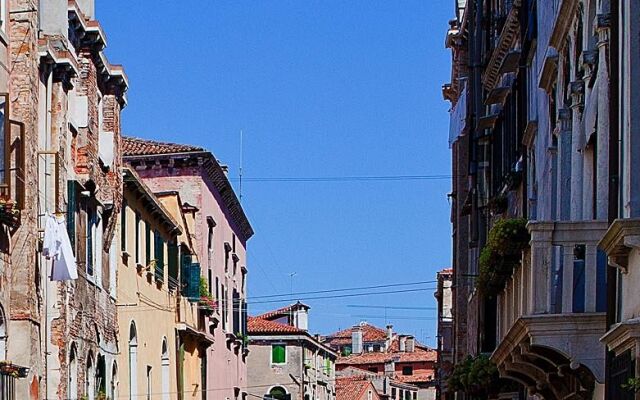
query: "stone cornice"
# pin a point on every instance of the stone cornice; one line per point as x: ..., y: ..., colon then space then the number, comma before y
x: 622, y: 336
x: 549, y: 70
x: 564, y: 18
x: 65, y: 66
x: 622, y: 236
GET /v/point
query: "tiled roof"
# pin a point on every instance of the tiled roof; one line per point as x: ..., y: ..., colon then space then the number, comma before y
x: 258, y: 325
x: 415, y: 378
x: 370, y: 333
x: 420, y: 354
x: 282, y: 311
x: 353, y: 388
x: 137, y: 147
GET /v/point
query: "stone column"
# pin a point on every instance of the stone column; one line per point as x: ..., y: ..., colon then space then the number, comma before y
x: 602, y: 157
x: 564, y: 164
x: 577, y: 158
x: 541, y: 259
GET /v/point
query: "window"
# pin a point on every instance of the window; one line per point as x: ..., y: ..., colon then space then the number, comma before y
x: 3, y: 15
x: 166, y: 370
x: 133, y: 361
x: 149, y: 387
x: 278, y: 354
x: 138, y: 250
x: 73, y: 372
x: 3, y: 335
x: 89, y: 378
x: 123, y: 226
x: 113, y: 386
x: 158, y: 250
x: 147, y: 242
x: 173, y: 261
x: 369, y: 395
x: 373, y: 369
x: 407, y: 370
x: 393, y: 393
x: 277, y: 393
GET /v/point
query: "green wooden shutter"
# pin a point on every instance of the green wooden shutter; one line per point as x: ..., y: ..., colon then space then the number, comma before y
x: 278, y: 354
x: 185, y: 273
x: 194, y: 282
x: 172, y: 251
x: 158, y: 250
x: 71, y: 213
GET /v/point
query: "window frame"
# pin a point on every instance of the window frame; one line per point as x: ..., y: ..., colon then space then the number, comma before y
x: 284, y: 347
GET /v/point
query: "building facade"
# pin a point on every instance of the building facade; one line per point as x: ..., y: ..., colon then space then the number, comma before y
x: 285, y: 361
x: 540, y: 102
x: 219, y: 236
x: 387, y: 354
x: 444, y: 297
x: 148, y: 293
x: 62, y: 148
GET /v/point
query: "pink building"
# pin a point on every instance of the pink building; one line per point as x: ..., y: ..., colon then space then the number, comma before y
x: 220, y: 233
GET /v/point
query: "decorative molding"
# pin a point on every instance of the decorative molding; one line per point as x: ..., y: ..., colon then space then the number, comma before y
x: 506, y: 41
x: 548, y: 73
x: 623, y: 236
x: 566, y: 14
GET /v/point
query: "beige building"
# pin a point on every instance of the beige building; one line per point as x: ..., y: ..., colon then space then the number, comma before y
x: 147, y: 294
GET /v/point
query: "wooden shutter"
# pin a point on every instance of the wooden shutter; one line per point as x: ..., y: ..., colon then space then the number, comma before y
x: 158, y: 250
x: 173, y: 263
x: 147, y: 242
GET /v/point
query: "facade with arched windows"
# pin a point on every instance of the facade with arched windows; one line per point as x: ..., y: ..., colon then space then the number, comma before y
x: 148, y: 288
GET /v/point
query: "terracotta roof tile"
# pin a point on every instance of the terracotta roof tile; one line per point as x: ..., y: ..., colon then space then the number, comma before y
x: 415, y: 378
x: 258, y: 325
x: 137, y: 147
x: 354, y: 388
x: 282, y: 311
x: 370, y: 333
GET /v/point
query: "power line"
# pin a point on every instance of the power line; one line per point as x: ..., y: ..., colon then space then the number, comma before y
x: 339, y: 296
x: 345, y: 289
x: 364, y: 178
x: 391, y: 307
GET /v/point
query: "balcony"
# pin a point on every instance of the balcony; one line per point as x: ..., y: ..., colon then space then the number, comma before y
x: 558, y: 292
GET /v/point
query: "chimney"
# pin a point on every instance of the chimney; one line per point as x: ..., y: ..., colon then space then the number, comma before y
x: 356, y: 340
x: 389, y: 368
x: 402, y: 343
x: 411, y: 344
x: 301, y: 318
x: 389, y: 336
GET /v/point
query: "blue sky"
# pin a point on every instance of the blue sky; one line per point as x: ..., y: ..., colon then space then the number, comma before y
x: 319, y: 88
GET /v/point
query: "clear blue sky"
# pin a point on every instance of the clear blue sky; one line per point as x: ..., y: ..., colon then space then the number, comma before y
x: 320, y: 88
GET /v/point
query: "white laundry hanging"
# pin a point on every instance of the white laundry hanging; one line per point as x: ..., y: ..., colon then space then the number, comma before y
x: 57, y: 246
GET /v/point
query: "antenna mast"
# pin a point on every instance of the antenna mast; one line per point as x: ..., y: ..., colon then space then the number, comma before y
x: 240, y: 189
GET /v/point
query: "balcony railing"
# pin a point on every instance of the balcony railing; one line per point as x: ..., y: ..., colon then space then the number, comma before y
x: 563, y: 272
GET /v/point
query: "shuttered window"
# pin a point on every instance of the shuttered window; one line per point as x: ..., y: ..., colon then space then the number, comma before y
x: 172, y: 262
x: 278, y: 354
x: 137, y: 249
x: 158, y: 250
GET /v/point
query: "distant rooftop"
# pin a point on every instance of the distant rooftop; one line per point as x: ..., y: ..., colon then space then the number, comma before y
x: 137, y: 147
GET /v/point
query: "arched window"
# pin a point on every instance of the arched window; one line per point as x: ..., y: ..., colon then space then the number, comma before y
x: 166, y: 370
x: 90, y: 382
x: 113, y: 385
x: 133, y: 361
x: 73, y: 373
x: 277, y: 393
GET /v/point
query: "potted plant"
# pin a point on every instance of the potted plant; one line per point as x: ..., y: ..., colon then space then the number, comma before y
x: 206, y: 302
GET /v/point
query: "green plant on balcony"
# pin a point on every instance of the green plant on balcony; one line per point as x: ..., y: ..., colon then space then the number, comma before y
x: 475, y: 376
x: 206, y: 302
x: 632, y: 385
x: 243, y: 338
x: 502, y: 253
